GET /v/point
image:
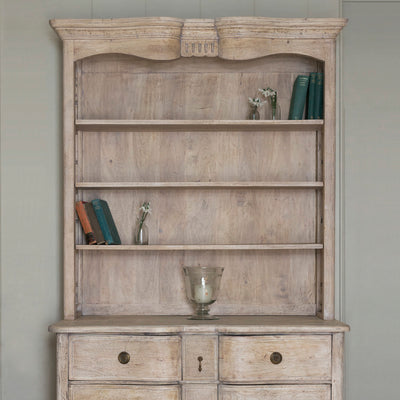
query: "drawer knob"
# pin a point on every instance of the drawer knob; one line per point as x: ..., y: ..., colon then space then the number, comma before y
x: 276, y: 358
x: 124, y: 357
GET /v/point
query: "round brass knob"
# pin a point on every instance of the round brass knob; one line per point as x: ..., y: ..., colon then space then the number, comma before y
x: 124, y: 357
x: 276, y: 358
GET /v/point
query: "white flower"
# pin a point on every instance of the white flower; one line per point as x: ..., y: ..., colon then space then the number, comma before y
x: 256, y: 102
x: 268, y: 92
x: 145, y: 208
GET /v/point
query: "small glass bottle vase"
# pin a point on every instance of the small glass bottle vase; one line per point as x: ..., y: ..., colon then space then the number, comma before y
x: 141, y: 234
x: 273, y: 112
x: 254, y: 113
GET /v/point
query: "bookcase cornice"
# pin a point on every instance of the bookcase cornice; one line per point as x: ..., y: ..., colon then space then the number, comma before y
x: 164, y: 38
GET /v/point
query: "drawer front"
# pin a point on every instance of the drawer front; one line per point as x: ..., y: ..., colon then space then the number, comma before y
x: 199, y: 392
x: 276, y: 392
x: 257, y: 359
x: 200, y: 358
x: 114, y: 357
x: 128, y: 392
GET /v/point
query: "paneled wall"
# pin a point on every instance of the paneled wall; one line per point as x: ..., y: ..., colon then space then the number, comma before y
x: 371, y: 164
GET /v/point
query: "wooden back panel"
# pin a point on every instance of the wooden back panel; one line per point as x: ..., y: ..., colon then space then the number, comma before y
x: 261, y: 282
x: 122, y: 87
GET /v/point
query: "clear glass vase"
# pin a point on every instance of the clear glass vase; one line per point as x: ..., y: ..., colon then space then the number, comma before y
x: 254, y: 113
x: 273, y: 112
x: 202, y: 286
x: 141, y: 234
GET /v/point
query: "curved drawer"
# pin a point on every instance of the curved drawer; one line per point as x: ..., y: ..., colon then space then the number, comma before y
x: 127, y: 392
x: 275, y: 392
x: 117, y: 357
x: 283, y: 358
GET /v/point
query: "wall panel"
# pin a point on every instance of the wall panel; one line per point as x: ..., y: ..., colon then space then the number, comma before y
x: 372, y: 189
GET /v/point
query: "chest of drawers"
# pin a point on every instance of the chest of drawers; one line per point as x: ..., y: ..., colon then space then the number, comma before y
x: 229, y: 359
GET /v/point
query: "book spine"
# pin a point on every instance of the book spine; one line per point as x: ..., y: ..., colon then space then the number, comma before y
x: 83, y: 218
x: 319, y: 96
x: 311, y: 96
x: 106, y: 221
x: 111, y: 224
x: 299, y: 96
x: 94, y: 223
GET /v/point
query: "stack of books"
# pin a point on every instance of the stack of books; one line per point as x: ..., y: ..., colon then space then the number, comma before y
x: 308, y: 97
x: 97, y: 222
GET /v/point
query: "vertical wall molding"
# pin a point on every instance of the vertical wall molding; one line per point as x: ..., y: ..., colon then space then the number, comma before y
x: 341, y: 181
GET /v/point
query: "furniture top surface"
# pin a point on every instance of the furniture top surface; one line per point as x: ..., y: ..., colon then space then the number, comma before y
x: 249, y: 324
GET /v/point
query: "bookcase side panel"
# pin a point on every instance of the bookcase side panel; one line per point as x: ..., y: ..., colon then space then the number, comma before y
x: 69, y: 260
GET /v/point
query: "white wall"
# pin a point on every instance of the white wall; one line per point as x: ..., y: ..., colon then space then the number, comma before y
x: 30, y: 95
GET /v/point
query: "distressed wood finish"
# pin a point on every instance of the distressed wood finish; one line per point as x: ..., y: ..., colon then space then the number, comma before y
x: 200, y: 392
x: 247, y: 359
x: 112, y: 286
x: 276, y: 392
x: 70, y: 311
x: 224, y: 216
x: 155, y: 109
x: 183, y: 125
x: 118, y: 87
x: 62, y: 366
x: 337, y: 366
x: 228, y: 324
x: 126, y: 392
x: 197, y: 156
x: 152, y: 358
x: 200, y: 358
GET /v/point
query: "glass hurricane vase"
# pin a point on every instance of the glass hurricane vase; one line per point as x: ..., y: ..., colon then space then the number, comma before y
x: 202, y: 286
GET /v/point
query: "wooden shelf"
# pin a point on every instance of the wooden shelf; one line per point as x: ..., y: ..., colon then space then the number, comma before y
x: 200, y: 185
x: 116, y: 125
x: 195, y: 247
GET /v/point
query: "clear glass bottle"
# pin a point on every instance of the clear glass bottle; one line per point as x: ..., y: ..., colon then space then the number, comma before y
x: 141, y: 234
x: 254, y: 113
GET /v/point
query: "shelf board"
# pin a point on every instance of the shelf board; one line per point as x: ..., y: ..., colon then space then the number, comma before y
x: 117, y: 125
x: 200, y: 185
x: 194, y: 247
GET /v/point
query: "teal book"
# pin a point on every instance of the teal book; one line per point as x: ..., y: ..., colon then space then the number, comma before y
x: 319, y: 96
x: 299, y: 96
x: 311, y: 96
x: 106, y: 221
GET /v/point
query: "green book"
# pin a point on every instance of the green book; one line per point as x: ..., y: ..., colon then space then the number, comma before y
x: 319, y: 96
x: 299, y: 96
x: 311, y: 96
x: 106, y: 221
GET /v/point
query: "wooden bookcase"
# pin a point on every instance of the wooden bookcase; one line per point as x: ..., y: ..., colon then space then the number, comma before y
x: 155, y: 110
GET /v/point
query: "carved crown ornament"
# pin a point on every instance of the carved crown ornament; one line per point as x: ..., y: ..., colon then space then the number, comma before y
x: 165, y: 38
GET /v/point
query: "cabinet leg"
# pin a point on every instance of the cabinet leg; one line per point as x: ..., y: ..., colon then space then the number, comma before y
x: 337, y: 365
x: 62, y: 367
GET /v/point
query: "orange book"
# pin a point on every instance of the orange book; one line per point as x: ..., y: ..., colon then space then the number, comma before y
x: 83, y: 217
